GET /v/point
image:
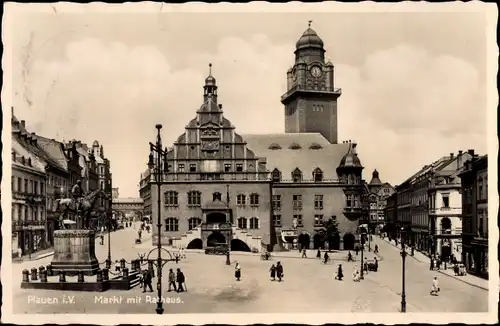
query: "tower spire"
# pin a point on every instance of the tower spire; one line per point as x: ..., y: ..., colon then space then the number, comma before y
x: 210, y: 69
x: 309, y: 23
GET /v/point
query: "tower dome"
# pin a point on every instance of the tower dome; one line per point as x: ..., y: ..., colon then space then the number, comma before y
x: 210, y: 80
x: 309, y: 39
x: 351, y: 159
x: 375, y: 178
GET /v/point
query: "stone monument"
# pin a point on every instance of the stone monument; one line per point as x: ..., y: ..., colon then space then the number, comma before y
x: 74, y: 244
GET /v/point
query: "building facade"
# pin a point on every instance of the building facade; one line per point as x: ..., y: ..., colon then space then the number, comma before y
x: 474, y: 181
x: 260, y: 190
x: 375, y: 199
x: 145, y: 194
x: 391, y: 216
x: 129, y: 208
x: 428, y: 207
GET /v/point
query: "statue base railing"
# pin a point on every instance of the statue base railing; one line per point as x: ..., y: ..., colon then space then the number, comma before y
x: 74, y: 251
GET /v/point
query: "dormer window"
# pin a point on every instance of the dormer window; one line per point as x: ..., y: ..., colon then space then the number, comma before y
x: 315, y: 146
x: 297, y: 175
x: 29, y: 161
x: 13, y: 156
x: 295, y: 146
x: 274, y: 146
x: 317, y: 175
x: 276, y: 175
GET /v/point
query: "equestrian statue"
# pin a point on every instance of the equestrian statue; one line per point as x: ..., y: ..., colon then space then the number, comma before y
x: 77, y: 208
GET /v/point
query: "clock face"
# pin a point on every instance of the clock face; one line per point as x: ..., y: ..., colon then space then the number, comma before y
x: 316, y: 71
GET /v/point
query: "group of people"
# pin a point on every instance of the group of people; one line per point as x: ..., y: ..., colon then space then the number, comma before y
x: 276, y: 271
x: 177, y: 281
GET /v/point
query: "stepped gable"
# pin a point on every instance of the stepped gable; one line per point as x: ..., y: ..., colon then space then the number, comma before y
x: 306, y: 151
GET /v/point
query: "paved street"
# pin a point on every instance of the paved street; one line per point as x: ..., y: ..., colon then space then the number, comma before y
x: 308, y: 287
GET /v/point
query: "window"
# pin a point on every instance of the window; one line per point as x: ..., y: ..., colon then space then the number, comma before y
x: 318, y: 201
x: 254, y: 223
x: 42, y: 188
x: 32, y: 189
x: 102, y: 185
x: 297, y: 202
x: 171, y: 198
x: 194, y: 222
x: 227, y: 167
x: 318, y: 175
x: 192, y: 167
x: 276, y: 175
x: 194, y: 198
x: 348, y: 200
x: 334, y: 218
x: 241, y: 200
x: 254, y: 200
x: 318, y: 220
x: 19, y: 184
x: 277, y: 220
x: 239, y: 167
x: 277, y: 202
x: 35, y: 189
x: 242, y: 223
x: 13, y: 184
x: 171, y: 224
x: 297, y: 175
x: 26, y: 189
x: 298, y: 218
x: 180, y: 168
x: 446, y: 201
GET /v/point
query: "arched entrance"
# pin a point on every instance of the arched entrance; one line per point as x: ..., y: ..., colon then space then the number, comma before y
x: 195, y: 244
x: 238, y: 245
x: 214, y: 218
x: 349, y: 240
x: 318, y: 241
x: 215, y: 238
x: 304, y: 241
x: 334, y: 242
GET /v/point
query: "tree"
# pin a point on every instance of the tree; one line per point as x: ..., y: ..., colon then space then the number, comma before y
x: 331, y: 232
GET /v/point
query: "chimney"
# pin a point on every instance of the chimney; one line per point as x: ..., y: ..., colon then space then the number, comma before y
x: 220, y: 106
x: 12, y: 110
x: 452, y: 156
x: 23, y: 123
x: 471, y: 152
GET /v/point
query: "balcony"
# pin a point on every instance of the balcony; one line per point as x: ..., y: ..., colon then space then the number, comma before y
x: 298, y: 88
x: 449, y: 232
x: 28, y: 225
x: 216, y: 226
x: 448, y: 211
x: 352, y: 211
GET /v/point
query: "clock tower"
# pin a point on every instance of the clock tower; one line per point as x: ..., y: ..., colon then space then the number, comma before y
x: 311, y: 98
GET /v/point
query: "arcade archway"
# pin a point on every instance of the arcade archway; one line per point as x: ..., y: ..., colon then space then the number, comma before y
x: 318, y: 241
x: 349, y: 240
x: 195, y: 244
x: 238, y: 245
x: 334, y: 242
x: 215, y: 238
x: 304, y: 240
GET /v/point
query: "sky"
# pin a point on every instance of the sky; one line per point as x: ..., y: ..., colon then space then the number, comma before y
x: 413, y: 84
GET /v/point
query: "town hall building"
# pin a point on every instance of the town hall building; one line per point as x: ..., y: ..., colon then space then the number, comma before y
x: 259, y: 191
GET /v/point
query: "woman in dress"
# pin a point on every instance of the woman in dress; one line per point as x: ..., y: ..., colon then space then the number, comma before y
x: 237, y: 271
x: 273, y: 272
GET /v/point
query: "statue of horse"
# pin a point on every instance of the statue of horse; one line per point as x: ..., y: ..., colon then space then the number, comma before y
x: 81, y: 208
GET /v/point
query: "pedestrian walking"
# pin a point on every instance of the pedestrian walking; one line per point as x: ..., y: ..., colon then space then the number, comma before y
x: 279, y: 271
x: 435, y: 286
x: 180, y: 280
x: 147, y: 280
x: 432, y: 264
x: 19, y: 252
x: 326, y: 258
x: 273, y: 272
x: 356, y: 250
x: 375, y: 264
x: 318, y: 254
x: 355, y: 275
x: 349, y: 256
x: 171, y: 280
x: 340, y: 275
x: 304, y: 253
x: 376, y: 249
x: 117, y: 266
x: 237, y: 271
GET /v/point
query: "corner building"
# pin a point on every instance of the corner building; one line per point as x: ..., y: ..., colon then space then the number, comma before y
x: 264, y: 190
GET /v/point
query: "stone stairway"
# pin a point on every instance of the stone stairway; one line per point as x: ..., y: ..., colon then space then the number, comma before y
x: 254, y: 242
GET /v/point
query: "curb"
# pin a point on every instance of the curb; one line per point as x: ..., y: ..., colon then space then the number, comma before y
x: 441, y: 272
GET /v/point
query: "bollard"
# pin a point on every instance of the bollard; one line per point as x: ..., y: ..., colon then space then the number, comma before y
x: 151, y: 268
x: 108, y: 264
x: 26, y: 275
x: 43, y: 276
x: 34, y: 274
x: 81, y: 277
x: 99, y: 276
x: 105, y: 274
x: 50, y: 271
x: 125, y: 273
x: 135, y: 265
x: 62, y: 276
x: 41, y: 269
x: 122, y: 263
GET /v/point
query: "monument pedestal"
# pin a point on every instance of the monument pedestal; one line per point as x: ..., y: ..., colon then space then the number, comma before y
x: 74, y: 250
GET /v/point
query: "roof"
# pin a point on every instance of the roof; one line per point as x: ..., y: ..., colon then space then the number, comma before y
x: 309, y: 39
x: 305, y: 151
x: 54, y: 149
x: 36, y: 164
x: 128, y: 200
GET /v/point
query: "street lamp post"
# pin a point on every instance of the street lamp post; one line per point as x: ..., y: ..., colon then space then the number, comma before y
x: 108, y: 261
x: 159, y: 167
x: 362, y: 250
x: 403, y: 256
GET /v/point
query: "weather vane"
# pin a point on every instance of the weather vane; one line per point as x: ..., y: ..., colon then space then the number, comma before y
x: 210, y: 68
x: 310, y: 23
